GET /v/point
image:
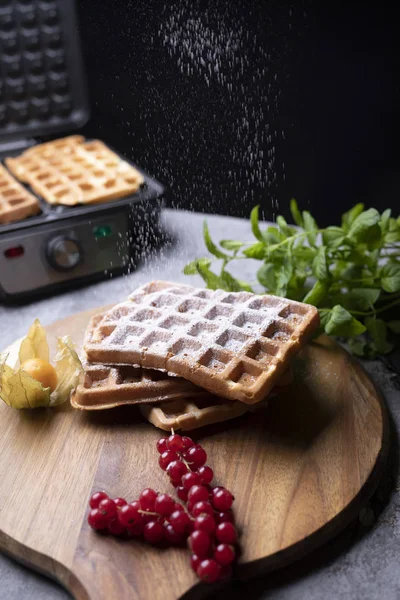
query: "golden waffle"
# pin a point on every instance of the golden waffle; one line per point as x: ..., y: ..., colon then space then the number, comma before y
x: 105, y: 386
x: 16, y: 202
x: 192, y: 413
x: 85, y: 174
x: 62, y: 145
x: 235, y: 345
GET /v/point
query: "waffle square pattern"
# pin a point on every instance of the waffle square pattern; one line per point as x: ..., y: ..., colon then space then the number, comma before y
x: 106, y: 386
x: 234, y: 345
x: 72, y: 171
x: 16, y: 202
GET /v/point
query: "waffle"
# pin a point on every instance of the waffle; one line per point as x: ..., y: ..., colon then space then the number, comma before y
x: 80, y: 173
x: 105, y: 386
x: 192, y: 413
x: 16, y: 202
x: 64, y: 145
x: 235, y: 345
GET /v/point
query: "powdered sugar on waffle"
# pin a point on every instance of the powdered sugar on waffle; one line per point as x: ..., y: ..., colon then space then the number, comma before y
x: 234, y: 344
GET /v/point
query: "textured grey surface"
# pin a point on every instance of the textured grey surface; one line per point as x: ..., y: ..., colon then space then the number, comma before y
x: 362, y: 563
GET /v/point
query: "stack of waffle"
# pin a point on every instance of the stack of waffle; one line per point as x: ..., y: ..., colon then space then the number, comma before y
x: 191, y: 357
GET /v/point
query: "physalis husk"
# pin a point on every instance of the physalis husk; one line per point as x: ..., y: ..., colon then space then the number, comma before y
x: 19, y: 390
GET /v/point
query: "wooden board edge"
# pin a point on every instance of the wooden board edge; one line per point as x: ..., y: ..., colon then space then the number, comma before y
x: 348, y: 514
x: 43, y: 564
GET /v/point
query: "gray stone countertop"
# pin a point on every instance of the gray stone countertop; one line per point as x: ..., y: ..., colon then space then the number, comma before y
x: 362, y: 563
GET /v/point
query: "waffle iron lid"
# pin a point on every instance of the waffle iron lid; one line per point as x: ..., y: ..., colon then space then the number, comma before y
x: 42, y: 83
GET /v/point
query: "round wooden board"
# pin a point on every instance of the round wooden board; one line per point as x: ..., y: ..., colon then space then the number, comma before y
x: 300, y: 470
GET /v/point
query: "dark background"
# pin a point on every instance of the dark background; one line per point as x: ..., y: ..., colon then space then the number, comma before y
x: 231, y: 104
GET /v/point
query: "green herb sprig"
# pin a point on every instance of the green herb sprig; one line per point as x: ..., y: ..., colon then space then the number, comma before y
x: 351, y: 273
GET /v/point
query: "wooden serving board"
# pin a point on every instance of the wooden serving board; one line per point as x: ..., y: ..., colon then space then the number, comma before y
x: 301, y: 470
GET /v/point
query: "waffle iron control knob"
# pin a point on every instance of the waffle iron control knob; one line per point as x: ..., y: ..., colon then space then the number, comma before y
x: 63, y: 253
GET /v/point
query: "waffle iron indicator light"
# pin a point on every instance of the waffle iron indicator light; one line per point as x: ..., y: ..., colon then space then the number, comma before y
x: 14, y: 252
x: 63, y: 253
x: 102, y: 231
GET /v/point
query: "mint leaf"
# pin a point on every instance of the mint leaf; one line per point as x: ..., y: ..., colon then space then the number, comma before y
x: 272, y: 235
x: 361, y: 299
x: 358, y: 346
x: 266, y: 276
x: 212, y: 280
x: 283, y: 226
x: 254, y: 220
x: 365, y: 227
x: 304, y: 253
x: 232, y: 284
x: 394, y: 326
x: 211, y: 247
x: 393, y: 234
x: 350, y: 216
x: 320, y: 265
x: 390, y: 277
x: 234, y: 245
x: 333, y: 236
x: 317, y: 294
x: 256, y: 251
x: 340, y: 322
x: 311, y: 227
x: 283, y: 276
x: 191, y: 268
x: 377, y: 329
x: 385, y: 221
x: 294, y: 209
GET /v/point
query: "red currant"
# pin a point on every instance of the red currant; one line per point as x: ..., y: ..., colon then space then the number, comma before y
x: 181, y: 493
x: 119, y: 502
x: 171, y: 535
x: 175, y: 443
x: 224, y: 554
x: 162, y: 445
x: 97, y: 520
x: 115, y: 527
x: 191, y: 479
x: 194, y: 562
x: 206, y: 474
x: 108, y: 508
x: 196, y: 456
x: 202, y: 508
x: 198, y: 493
x: 179, y: 521
x: 205, y: 523
x: 187, y: 442
x: 176, y: 469
x: 147, y: 499
x: 226, y: 533
x: 135, y: 529
x: 97, y: 498
x: 200, y: 543
x: 208, y: 570
x: 166, y: 458
x: 153, y: 532
x: 164, y: 505
x: 224, y: 517
x: 128, y: 515
x: 222, y: 499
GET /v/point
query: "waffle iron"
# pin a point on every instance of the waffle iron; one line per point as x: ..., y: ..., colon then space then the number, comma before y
x: 42, y: 97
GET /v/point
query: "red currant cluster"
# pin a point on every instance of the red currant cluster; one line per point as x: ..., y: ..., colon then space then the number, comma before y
x: 155, y: 517
x: 214, y: 535
x: 207, y: 523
